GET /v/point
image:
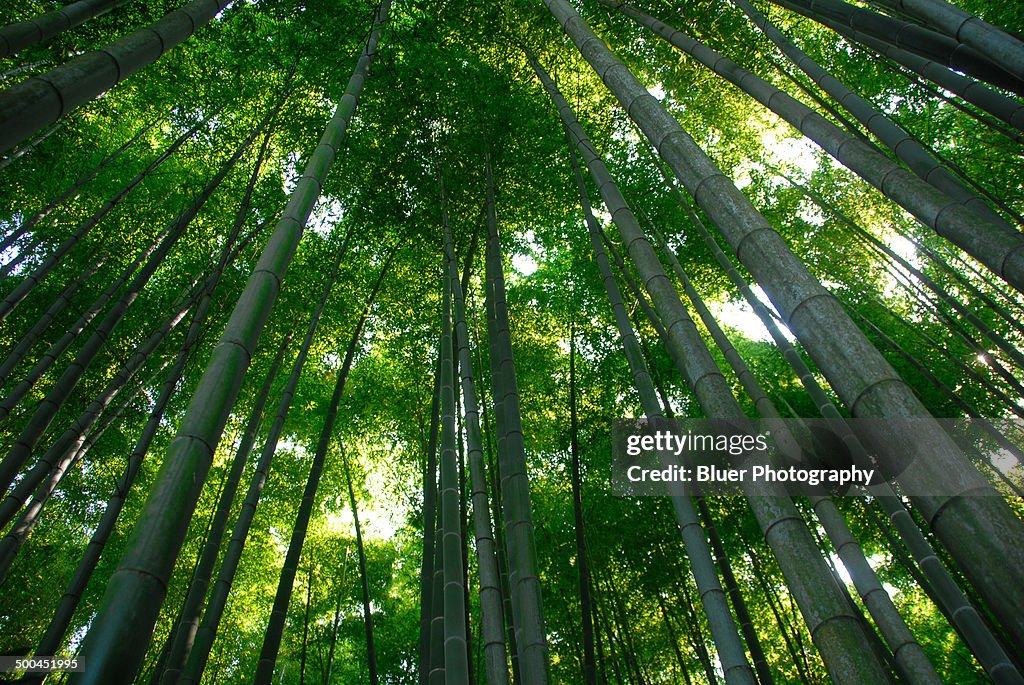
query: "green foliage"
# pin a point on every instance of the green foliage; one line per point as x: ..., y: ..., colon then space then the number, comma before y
x: 451, y: 85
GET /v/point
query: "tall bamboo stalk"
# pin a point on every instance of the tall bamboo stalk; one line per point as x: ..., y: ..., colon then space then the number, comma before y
x: 837, y: 632
x: 29, y: 106
x: 279, y: 612
x: 492, y: 624
x: 950, y: 210
x: 995, y: 43
x: 910, y: 659
x: 427, y: 607
x: 39, y: 29
x: 911, y: 37
x: 115, y: 646
x: 524, y: 581
x: 456, y: 664
x: 371, y: 649
x: 58, y: 457
x: 582, y: 563
x: 973, y: 528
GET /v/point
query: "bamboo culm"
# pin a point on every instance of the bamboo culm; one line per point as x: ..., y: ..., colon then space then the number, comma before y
x: 427, y: 608
x: 456, y: 664
x: 993, y: 102
x: 371, y: 649
x: 116, y: 646
x: 72, y: 595
x: 73, y: 189
x: 56, y: 460
x: 834, y: 627
x: 39, y: 29
x: 279, y: 612
x: 492, y: 624
x: 524, y: 580
x: 58, y: 394
x: 973, y: 528
x: 954, y: 217
x: 29, y: 106
x: 998, y: 45
x: 183, y: 635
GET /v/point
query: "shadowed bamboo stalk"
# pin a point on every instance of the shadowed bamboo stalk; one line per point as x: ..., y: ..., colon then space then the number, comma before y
x: 279, y: 612
x: 77, y: 450
x: 691, y: 626
x: 77, y: 431
x: 30, y: 146
x: 207, y: 629
x: 427, y: 607
x: 962, y: 403
x: 62, y: 617
x: 32, y: 336
x: 673, y: 639
x: 187, y: 624
x: 60, y: 346
x: 188, y: 619
x: 41, y: 100
x: 364, y: 581
x: 39, y: 29
x: 739, y: 604
x: 911, y: 37
x: 524, y: 580
x: 492, y: 623
x: 456, y: 665
x: 115, y: 646
x: 494, y: 467
x: 934, y: 257
x: 907, y: 149
x: 184, y: 632
x: 973, y: 528
x: 998, y: 45
x: 54, y: 352
x: 645, y: 306
x: 837, y: 632
x: 1000, y: 106
x: 436, y: 673
x: 14, y: 71
x: 336, y: 622
x: 582, y: 562
x: 995, y: 243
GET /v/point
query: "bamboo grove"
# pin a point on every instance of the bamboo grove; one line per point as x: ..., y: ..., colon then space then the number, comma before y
x: 316, y: 315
